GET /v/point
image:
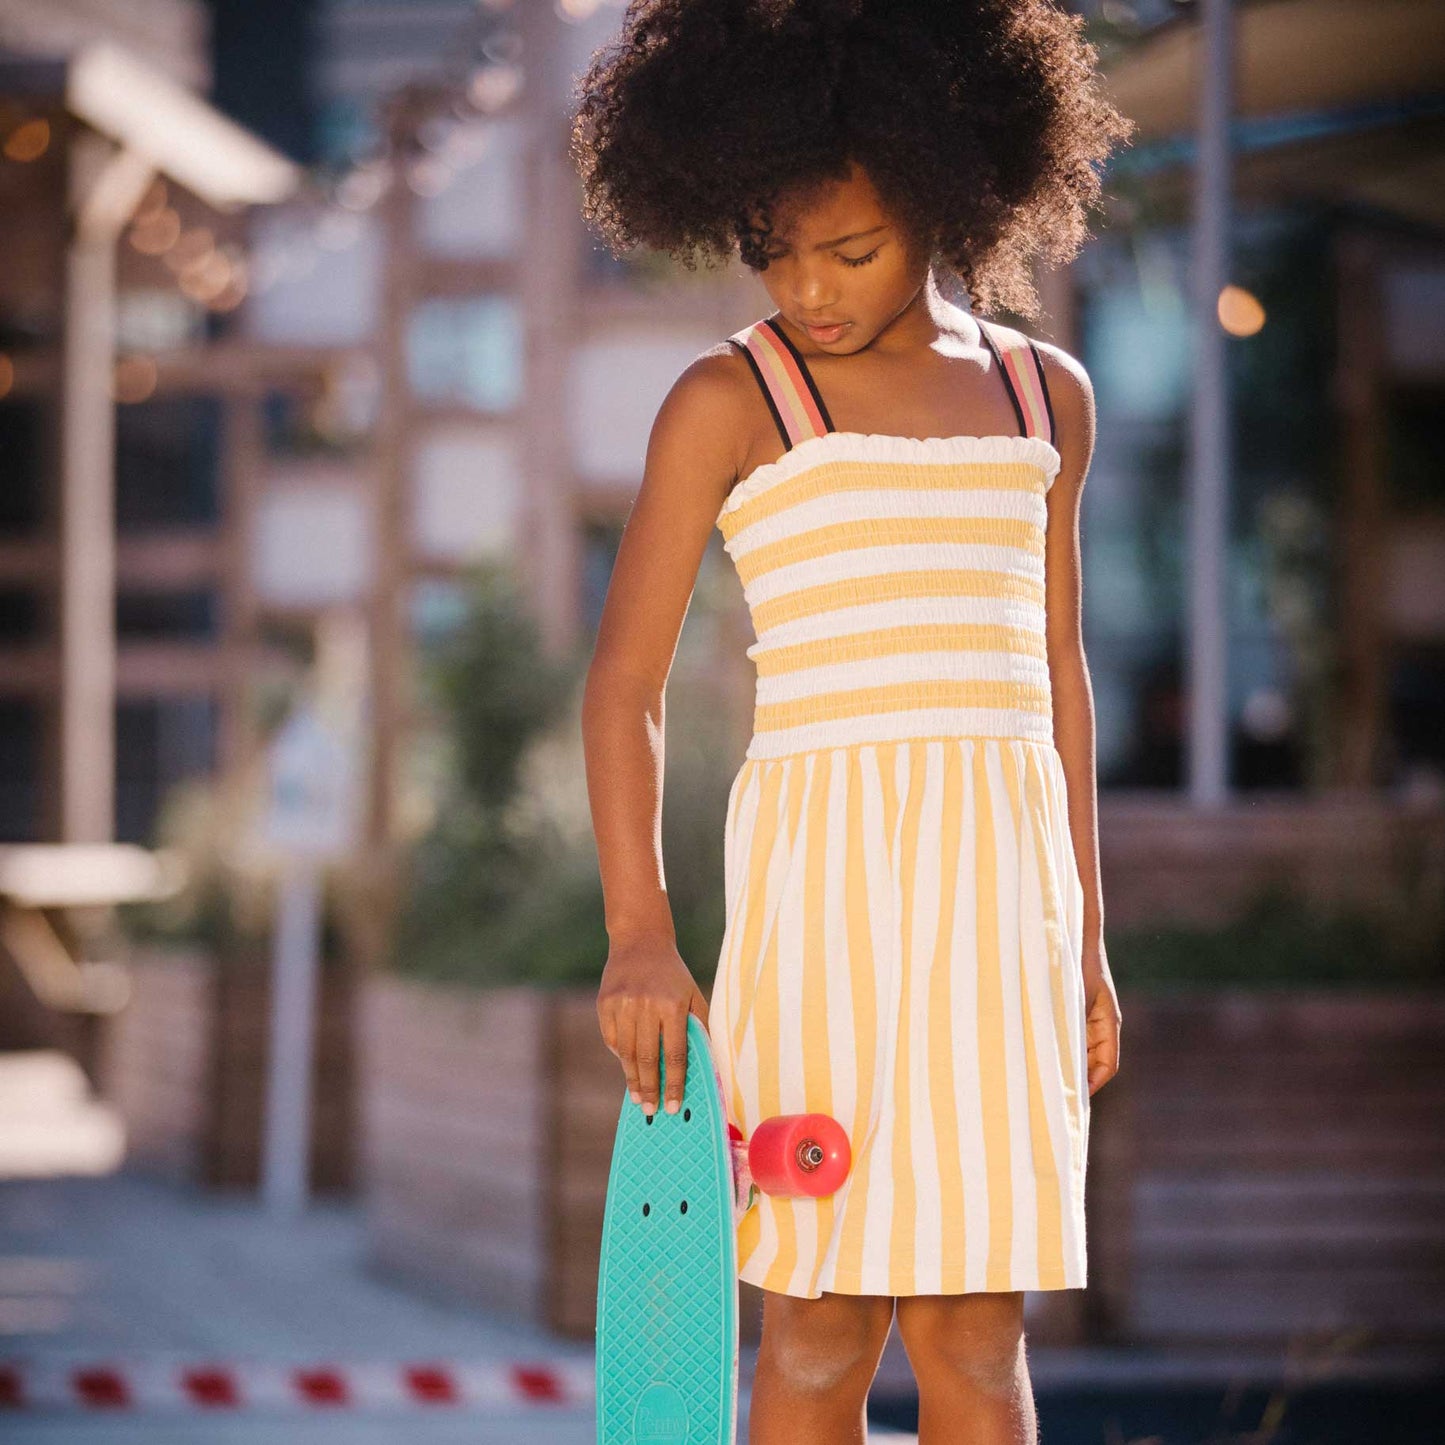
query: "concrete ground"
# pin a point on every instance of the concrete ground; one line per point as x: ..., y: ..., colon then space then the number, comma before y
x: 100, y: 1265
x: 122, y: 1267
x: 131, y: 1270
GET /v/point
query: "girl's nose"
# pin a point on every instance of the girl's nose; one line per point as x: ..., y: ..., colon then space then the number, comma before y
x: 811, y: 297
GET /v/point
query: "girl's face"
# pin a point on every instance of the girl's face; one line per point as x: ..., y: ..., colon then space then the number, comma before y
x: 839, y: 268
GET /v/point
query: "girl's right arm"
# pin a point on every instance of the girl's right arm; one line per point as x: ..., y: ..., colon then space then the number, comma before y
x: 693, y: 457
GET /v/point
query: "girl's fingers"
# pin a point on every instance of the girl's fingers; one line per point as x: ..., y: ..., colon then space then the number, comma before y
x: 674, y: 1048
x: 648, y: 1027
x: 1103, y: 1049
x: 631, y: 1030
x: 607, y: 1024
x: 626, y: 1021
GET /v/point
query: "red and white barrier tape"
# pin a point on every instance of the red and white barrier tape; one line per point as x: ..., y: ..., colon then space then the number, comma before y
x: 151, y: 1384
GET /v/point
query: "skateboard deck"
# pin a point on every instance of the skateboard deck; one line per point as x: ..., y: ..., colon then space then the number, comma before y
x: 667, y: 1290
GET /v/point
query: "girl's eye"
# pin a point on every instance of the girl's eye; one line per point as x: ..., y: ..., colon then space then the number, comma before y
x: 846, y: 260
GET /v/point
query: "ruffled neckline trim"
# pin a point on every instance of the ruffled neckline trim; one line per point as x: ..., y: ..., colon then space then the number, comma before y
x: 881, y: 447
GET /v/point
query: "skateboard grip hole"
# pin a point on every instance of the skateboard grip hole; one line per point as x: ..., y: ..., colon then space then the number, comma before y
x: 646, y: 1210
x: 684, y: 1206
x: 686, y: 1115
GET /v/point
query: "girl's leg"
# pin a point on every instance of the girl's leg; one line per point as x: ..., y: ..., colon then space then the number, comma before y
x: 816, y: 1360
x: 967, y: 1351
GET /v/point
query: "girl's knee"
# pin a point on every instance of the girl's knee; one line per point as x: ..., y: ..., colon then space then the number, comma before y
x: 977, y: 1336
x: 819, y: 1345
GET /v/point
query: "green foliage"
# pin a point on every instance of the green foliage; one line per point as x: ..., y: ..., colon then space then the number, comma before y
x: 504, y: 885
x: 1281, y: 938
x: 498, y: 687
x: 488, y: 904
x: 700, y: 768
x: 202, y: 913
x: 472, y: 878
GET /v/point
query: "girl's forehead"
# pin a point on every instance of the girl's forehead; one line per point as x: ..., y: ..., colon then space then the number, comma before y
x: 824, y: 215
x: 834, y: 228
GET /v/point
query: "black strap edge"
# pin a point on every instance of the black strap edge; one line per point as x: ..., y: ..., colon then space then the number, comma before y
x: 1013, y: 396
x: 1044, y: 387
x: 773, y: 411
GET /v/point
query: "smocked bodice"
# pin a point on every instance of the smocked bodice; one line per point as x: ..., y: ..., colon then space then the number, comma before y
x: 896, y: 587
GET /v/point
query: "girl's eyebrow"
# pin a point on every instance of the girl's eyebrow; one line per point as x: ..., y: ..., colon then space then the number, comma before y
x: 838, y: 240
x: 853, y: 236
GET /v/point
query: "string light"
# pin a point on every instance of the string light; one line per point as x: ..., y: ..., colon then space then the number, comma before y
x: 134, y: 378
x: 1240, y: 312
x: 28, y: 141
x: 439, y: 128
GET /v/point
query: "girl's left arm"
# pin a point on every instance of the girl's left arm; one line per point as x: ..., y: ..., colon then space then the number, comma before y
x: 1071, y: 396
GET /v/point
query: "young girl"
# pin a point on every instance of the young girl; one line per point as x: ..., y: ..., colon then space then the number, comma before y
x: 913, y: 936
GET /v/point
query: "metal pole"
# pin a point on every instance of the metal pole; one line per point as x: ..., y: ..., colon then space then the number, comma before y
x: 287, y: 1156
x: 1209, y: 473
x: 104, y: 185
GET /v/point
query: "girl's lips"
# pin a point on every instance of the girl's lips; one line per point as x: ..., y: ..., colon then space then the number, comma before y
x: 826, y: 333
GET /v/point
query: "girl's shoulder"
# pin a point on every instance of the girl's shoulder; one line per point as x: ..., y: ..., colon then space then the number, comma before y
x: 710, y: 401
x: 720, y: 374
x: 1070, y: 397
x: 1062, y: 375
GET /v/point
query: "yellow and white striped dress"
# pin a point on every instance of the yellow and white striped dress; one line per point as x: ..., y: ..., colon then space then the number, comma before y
x: 904, y: 911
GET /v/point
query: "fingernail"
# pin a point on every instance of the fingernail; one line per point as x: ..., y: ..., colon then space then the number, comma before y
x: 672, y: 1106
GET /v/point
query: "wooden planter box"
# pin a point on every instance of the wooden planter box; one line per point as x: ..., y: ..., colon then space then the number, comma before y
x: 1269, y: 1170
x: 155, y: 1062
x: 185, y: 1062
x: 1264, y: 1166
x: 489, y: 1123
x: 1163, y: 858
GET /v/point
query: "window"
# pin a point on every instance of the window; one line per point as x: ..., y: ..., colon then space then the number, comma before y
x: 1135, y: 342
x: 478, y: 213
x: 466, y: 494
x: 19, y: 770
x: 167, y: 462
x: 20, y: 496
x: 466, y: 351
x: 157, y: 616
x: 159, y: 742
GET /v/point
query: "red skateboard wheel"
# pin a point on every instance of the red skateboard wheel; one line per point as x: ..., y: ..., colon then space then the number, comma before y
x: 793, y: 1154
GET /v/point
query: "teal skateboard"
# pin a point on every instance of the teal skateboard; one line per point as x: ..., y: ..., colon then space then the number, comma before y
x: 667, y: 1285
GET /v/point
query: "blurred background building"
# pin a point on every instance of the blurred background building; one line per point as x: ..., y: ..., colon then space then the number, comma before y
x: 1337, y: 608
x: 418, y: 366
x: 378, y: 350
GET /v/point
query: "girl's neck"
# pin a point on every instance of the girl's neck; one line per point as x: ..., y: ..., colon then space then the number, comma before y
x: 931, y: 320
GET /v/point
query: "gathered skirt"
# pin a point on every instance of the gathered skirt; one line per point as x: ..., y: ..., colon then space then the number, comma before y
x: 902, y: 952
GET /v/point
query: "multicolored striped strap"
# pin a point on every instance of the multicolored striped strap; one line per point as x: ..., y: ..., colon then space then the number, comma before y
x: 793, y: 399
x: 797, y: 406
x: 1023, y: 370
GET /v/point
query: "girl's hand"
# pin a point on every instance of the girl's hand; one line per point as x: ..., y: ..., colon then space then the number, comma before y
x: 1104, y: 1017
x: 646, y: 988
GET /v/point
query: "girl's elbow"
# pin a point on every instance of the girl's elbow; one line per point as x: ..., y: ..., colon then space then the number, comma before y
x: 609, y: 685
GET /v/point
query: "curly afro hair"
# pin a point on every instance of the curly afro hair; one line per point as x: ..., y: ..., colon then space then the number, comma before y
x: 979, y: 123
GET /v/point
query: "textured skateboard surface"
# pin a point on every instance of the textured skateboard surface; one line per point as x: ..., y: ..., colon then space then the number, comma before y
x: 667, y: 1296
